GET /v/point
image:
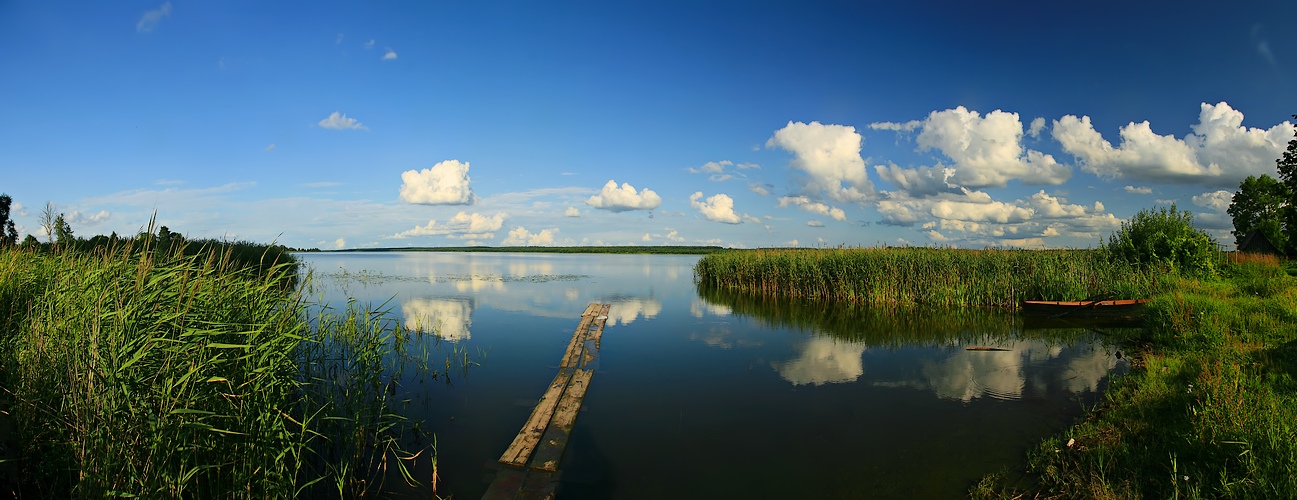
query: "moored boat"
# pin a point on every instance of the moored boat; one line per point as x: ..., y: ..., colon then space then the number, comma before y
x: 1125, y: 308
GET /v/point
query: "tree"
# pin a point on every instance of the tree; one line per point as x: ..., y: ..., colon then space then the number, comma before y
x: 48, y: 214
x: 1260, y: 204
x: 8, y: 234
x: 62, y: 231
x: 1287, y: 167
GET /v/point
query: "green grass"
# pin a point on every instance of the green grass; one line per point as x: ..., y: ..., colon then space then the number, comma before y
x: 138, y: 371
x: 1210, y: 410
x: 911, y: 277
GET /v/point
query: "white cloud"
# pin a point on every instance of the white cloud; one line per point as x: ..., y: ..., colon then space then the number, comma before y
x: 1219, y: 152
x: 921, y: 181
x: 369, y: 44
x: 446, y: 183
x: 814, y: 223
x: 1050, y: 207
x: 830, y: 156
x: 897, y: 127
x: 718, y: 208
x: 791, y: 243
x: 269, y: 148
x: 571, y: 212
x: 625, y: 198
x: 76, y: 217
x: 761, y: 189
x: 520, y: 236
x: 674, y: 236
x: 340, y: 243
x: 1037, y: 126
x: 987, y: 150
x: 711, y: 167
x: 390, y: 55
x: 814, y: 207
x: 749, y: 218
x: 151, y: 18
x: 463, y: 225
x: 1050, y: 232
x: 646, y: 238
x: 1216, y: 200
x: 1138, y: 190
x: 745, y: 166
x: 339, y: 121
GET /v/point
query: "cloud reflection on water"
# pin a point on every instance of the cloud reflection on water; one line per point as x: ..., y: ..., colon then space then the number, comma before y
x: 824, y: 360
x: 449, y: 319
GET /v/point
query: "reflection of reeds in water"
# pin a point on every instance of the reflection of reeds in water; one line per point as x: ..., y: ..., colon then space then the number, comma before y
x: 926, y: 277
x: 166, y: 374
x: 880, y: 326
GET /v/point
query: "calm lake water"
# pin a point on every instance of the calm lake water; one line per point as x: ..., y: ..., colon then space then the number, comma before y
x: 710, y: 395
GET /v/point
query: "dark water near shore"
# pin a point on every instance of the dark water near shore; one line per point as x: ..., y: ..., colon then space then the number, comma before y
x: 702, y: 394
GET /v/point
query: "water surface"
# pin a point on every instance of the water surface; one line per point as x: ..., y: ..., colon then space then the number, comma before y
x: 703, y: 394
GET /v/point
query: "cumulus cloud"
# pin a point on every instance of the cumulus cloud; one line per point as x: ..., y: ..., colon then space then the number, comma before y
x: 829, y: 155
x: 1037, y: 126
x: 987, y: 150
x: 76, y: 217
x: 1218, y: 200
x: 718, y: 208
x: 921, y: 181
x: 446, y: 183
x: 151, y: 18
x: 980, y: 220
x: 897, y: 127
x: 520, y: 236
x: 340, y: 243
x: 625, y: 198
x: 571, y: 212
x: 1219, y: 152
x: 390, y: 55
x: 463, y: 226
x: 761, y: 189
x: 339, y: 121
x: 1138, y: 190
x: 812, y: 206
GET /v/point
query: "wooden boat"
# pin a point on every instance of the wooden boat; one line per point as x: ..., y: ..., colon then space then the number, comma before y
x: 1085, y: 309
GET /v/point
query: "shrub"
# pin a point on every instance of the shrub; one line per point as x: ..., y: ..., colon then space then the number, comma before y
x: 1165, y: 238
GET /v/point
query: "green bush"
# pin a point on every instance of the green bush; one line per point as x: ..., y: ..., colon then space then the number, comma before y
x: 1165, y: 238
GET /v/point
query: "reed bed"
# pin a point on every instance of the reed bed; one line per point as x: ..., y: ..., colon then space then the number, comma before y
x: 142, y: 373
x: 926, y: 277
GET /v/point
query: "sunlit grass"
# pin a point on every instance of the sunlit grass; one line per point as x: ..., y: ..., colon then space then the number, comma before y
x: 146, y: 372
x: 925, y: 277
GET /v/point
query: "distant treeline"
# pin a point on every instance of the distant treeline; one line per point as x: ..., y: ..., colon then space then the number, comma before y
x: 675, y: 250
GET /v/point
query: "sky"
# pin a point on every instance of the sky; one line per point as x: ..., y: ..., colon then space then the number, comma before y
x: 343, y: 125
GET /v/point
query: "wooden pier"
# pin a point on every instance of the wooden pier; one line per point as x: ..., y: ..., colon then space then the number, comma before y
x: 528, y: 469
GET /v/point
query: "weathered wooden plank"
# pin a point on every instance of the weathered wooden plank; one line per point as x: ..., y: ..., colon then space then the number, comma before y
x: 539, y: 486
x: 551, y: 447
x: 506, y: 485
x: 525, y: 442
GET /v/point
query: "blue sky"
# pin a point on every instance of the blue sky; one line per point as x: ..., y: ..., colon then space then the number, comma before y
x: 351, y: 125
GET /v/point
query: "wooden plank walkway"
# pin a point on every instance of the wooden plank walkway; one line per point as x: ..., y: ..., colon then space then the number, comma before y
x: 529, y: 467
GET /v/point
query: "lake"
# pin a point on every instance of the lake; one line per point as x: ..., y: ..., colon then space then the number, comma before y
x: 703, y: 394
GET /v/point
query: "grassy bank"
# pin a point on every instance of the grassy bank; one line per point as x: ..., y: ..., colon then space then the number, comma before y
x: 924, y: 276
x: 1210, y: 410
x: 146, y: 371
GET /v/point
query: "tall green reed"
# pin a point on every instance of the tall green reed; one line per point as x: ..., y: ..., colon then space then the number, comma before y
x: 166, y: 373
x: 924, y: 276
